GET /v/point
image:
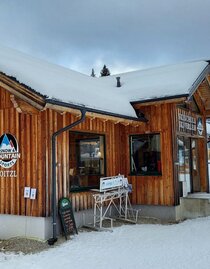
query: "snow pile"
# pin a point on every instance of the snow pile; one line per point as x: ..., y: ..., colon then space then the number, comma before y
x: 180, y: 246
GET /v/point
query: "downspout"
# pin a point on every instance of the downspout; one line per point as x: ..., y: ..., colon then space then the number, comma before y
x: 52, y: 240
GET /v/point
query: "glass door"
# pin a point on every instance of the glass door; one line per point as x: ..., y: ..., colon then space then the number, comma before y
x: 196, y: 185
x: 188, y: 165
x: 184, y: 164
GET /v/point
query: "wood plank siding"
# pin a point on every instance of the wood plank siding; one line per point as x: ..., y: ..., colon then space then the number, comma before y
x: 33, y: 133
x: 29, y: 132
x: 155, y: 190
x: 34, y: 128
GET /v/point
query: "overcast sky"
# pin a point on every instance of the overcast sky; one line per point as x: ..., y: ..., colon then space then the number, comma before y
x: 123, y: 34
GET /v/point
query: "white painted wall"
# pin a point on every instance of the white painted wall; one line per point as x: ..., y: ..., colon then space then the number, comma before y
x: 35, y: 227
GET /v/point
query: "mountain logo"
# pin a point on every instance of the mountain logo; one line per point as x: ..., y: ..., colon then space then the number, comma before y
x: 200, y: 126
x: 9, y: 151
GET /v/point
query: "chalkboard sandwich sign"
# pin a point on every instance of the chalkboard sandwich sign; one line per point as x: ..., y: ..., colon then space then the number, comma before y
x: 67, y: 216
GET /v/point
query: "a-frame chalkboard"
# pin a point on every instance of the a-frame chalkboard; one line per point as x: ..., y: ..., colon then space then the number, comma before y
x: 67, y: 216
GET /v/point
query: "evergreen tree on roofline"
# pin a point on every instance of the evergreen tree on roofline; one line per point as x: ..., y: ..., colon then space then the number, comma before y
x: 105, y: 72
x: 93, y: 73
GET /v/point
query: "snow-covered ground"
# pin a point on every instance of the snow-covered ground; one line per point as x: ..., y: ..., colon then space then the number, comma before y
x: 184, y: 245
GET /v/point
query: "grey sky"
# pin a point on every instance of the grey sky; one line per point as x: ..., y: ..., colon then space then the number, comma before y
x: 124, y: 35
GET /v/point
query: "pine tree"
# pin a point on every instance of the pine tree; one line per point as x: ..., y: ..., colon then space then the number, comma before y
x: 105, y: 72
x: 93, y: 73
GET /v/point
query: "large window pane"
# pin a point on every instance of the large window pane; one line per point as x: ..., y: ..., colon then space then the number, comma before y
x: 145, y: 154
x: 87, y: 160
x: 89, y: 156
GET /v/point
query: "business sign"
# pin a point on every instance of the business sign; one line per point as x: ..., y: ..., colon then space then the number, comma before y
x: 67, y: 216
x: 108, y: 183
x: 189, y: 122
x: 9, y: 151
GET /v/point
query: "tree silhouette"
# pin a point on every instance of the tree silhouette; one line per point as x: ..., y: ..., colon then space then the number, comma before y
x: 105, y: 72
x: 93, y: 73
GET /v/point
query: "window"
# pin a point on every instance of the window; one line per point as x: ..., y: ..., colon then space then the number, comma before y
x: 89, y: 156
x: 87, y: 160
x: 145, y: 154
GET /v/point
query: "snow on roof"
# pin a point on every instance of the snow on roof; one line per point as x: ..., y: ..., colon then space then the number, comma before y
x: 158, y: 82
x: 72, y: 87
x: 63, y: 84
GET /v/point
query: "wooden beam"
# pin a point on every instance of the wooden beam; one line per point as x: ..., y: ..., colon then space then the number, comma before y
x: 199, y: 101
x: 17, y: 90
x: 92, y: 118
x: 208, y: 79
x: 23, y: 106
x: 93, y: 115
x: 113, y: 119
x: 61, y: 109
x: 125, y: 123
x: 14, y: 101
x: 208, y: 113
x: 207, y: 89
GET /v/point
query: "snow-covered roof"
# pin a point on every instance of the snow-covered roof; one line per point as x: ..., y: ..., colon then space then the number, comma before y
x: 71, y: 87
x: 159, y: 82
x: 63, y: 84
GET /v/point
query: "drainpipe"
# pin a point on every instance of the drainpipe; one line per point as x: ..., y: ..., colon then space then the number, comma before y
x: 52, y: 240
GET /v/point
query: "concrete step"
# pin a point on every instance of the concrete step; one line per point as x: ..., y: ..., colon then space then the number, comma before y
x: 195, y: 205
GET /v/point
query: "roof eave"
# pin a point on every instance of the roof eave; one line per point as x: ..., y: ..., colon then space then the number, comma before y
x: 198, y: 81
x: 92, y: 110
x: 22, y: 91
x: 150, y: 100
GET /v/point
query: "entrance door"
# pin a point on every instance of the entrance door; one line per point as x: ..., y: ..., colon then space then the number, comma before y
x: 196, y: 185
x: 188, y: 165
x: 184, y: 165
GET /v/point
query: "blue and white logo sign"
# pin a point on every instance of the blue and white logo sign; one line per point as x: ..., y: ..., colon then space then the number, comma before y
x: 9, y: 151
x: 200, y: 126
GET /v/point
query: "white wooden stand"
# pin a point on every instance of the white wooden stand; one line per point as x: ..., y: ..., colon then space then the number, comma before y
x: 109, y: 197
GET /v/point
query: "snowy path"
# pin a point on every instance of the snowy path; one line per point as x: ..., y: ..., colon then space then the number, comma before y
x: 185, y: 245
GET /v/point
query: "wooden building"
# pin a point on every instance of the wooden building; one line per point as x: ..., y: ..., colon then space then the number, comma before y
x: 156, y: 138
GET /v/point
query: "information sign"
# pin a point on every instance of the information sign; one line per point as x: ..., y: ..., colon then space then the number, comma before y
x: 67, y: 217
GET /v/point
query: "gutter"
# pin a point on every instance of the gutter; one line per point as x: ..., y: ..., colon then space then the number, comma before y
x: 52, y: 240
x: 88, y: 109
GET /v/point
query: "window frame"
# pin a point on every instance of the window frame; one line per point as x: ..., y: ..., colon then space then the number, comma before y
x: 130, y: 147
x: 85, y: 188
